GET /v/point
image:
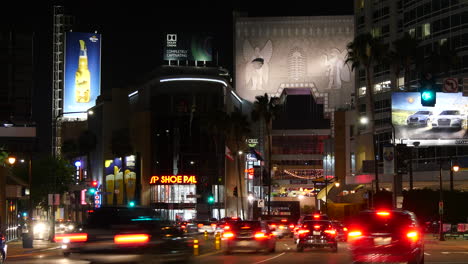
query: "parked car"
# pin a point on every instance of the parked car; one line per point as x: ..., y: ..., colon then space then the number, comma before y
x: 317, y: 234
x: 249, y: 235
x: 449, y: 119
x: 3, y: 248
x: 126, y: 235
x: 420, y: 118
x: 386, y: 236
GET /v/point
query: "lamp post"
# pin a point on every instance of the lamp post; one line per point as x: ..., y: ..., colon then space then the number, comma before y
x: 441, y: 204
x: 454, y: 167
x: 364, y: 120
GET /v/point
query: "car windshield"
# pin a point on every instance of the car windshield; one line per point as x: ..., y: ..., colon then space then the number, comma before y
x: 451, y: 112
x: 373, y: 222
x: 423, y: 113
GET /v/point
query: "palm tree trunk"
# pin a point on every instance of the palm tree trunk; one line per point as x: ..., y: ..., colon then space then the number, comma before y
x: 269, y: 169
x: 370, y: 96
x: 240, y: 180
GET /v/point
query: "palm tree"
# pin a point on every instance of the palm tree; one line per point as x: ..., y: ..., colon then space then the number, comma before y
x: 239, y: 129
x: 217, y: 127
x: 365, y: 51
x: 86, y: 144
x: 404, y: 54
x: 266, y: 109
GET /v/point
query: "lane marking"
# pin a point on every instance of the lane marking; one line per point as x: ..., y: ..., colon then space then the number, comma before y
x: 265, y: 260
x: 427, y: 254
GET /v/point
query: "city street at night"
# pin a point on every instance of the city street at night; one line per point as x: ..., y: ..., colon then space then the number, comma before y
x: 447, y: 252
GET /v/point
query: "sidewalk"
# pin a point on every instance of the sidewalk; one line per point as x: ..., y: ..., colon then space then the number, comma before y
x: 15, y: 248
x: 431, y: 240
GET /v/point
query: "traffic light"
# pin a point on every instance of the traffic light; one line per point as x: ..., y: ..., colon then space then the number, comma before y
x: 428, y: 97
x: 235, y: 192
x: 210, y: 199
x: 131, y: 204
x: 93, y: 185
x: 428, y: 90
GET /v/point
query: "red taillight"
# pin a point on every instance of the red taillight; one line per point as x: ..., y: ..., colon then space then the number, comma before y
x: 260, y: 235
x: 330, y: 231
x: 316, y: 216
x: 383, y: 213
x: 131, y: 239
x: 413, y: 235
x: 302, y: 231
x: 316, y: 226
x: 284, y: 220
x: 354, y: 234
x: 213, y: 225
x: 291, y: 226
x: 273, y: 225
x: 69, y: 238
x: 182, y: 226
x: 227, y: 227
x: 228, y: 235
x: 200, y: 225
x: 345, y: 229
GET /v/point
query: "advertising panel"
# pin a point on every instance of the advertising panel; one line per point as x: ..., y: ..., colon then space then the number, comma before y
x: 191, y: 47
x: 443, y: 124
x: 82, y: 79
x: 295, y: 53
x: 130, y: 177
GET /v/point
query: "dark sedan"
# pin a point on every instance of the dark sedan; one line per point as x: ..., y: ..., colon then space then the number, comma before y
x: 248, y: 235
x: 123, y: 235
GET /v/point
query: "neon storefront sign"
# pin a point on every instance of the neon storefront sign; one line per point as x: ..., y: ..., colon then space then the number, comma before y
x: 173, y: 179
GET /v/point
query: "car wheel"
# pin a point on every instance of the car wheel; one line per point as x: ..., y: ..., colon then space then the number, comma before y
x: 299, y: 248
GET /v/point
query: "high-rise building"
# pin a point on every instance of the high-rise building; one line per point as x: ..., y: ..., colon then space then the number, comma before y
x: 434, y: 24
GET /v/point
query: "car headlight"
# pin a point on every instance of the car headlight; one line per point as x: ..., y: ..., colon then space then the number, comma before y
x: 39, y: 228
x: 62, y: 226
x: 71, y: 227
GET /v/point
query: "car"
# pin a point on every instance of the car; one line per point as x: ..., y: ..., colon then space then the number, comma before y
x: 200, y: 226
x: 420, y: 118
x: 41, y: 230
x: 307, y: 217
x: 281, y: 228
x: 64, y: 226
x: 248, y: 235
x: 316, y: 234
x: 225, y: 221
x: 126, y: 235
x: 386, y: 236
x: 341, y: 231
x: 3, y: 248
x: 449, y: 119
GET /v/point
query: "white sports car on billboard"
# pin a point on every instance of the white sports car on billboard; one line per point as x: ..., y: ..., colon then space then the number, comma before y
x: 449, y: 119
x: 420, y: 118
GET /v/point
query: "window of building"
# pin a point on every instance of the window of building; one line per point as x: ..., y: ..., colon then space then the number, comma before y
x: 362, y: 91
x: 376, y: 32
x: 361, y: 4
x: 426, y: 30
x: 401, y: 82
x: 442, y: 41
x: 412, y: 32
x: 353, y: 163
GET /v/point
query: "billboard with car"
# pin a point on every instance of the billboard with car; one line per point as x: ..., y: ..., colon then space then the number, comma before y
x: 443, y: 124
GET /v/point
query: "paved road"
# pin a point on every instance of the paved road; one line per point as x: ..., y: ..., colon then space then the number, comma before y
x: 448, y: 252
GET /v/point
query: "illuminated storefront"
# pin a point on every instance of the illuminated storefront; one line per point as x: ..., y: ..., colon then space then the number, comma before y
x: 174, y: 196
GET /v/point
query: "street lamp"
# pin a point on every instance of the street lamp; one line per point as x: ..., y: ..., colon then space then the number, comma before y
x: 364, y: 120
x: 11, y: 160
x: 454, y: 167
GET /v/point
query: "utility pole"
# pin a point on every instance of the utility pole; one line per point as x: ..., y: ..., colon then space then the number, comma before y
x: 441, y: 204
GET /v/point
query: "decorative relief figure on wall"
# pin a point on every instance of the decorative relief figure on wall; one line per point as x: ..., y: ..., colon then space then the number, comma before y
x: 257, y: 67
x: 337, y: 71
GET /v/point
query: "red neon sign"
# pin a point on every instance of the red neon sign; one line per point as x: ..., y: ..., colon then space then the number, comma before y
x: 173, y: 179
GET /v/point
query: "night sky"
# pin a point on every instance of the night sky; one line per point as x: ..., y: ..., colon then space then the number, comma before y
x: 132, y: 32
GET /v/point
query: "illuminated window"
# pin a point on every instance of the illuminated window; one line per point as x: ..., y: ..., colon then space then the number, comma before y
x: 412, y: 32
x: 362, y: 91
x: 426, y: 30
x: 376, y: 32
x: 442, y: 41
x: 401, y: 81
x: 361, y: 4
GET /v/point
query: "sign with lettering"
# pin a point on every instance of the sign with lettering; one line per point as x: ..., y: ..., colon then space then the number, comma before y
x: 173, y: 179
